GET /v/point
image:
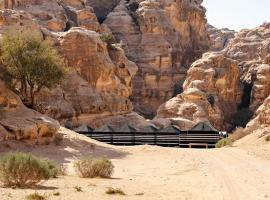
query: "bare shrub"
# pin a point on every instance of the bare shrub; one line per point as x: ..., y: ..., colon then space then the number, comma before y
x: 90, y: 167
x: 25, y: 170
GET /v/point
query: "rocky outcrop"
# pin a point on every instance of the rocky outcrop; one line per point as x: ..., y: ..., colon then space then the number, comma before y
x: 163, y: 38
x: 220, y: 38
x: 20, y: 123
x: 211, y: 92
x: 99, y: 81
x: 227, y: 86
x: 262, y: 117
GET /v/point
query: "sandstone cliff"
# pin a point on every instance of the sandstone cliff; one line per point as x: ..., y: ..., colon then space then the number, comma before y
x: 99, y: 81
x: 163, y: 38
x: 225, y: 87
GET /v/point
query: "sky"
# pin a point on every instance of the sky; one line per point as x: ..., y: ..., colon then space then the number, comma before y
x: 237, y: 14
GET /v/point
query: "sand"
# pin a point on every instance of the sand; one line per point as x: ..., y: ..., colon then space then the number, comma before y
x: 149, y: 172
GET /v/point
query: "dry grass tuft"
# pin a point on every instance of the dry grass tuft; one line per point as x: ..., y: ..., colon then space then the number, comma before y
x: 114, y: 191
x: 78, y: 188
x: 35, y: 196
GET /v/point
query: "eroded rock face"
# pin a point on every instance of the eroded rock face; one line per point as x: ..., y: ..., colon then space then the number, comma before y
x: 99, y: 81
x: 211, y: 92
x: 220, y: 38
x: 236, y: 78
x: 262, y: 116
x: 163, y: 38
x: 20, y: 123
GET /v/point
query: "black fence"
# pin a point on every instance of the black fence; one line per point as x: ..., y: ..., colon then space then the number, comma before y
x: 183, y: 139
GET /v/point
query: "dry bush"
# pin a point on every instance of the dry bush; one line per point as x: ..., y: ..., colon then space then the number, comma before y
x: 78, y: 189
x: 58, y: 139
x: 90, y: 167
x: 239, y: 133
x: 35, y: 196
x: 25, y: 170
x: 267, y: 138
x: 224, y: 142
x: 113, y: 191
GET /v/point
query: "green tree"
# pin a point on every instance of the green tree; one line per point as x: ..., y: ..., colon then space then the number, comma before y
x: 31, y: 62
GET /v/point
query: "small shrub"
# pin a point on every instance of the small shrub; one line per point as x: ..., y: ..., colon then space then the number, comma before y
x: 35, y: 196
x: 224, y: 142
x: 239, y: 133
x: 58, y: 139
x: 78, y: 188
x: 114, y: 191
x: 24, y: 170
x: 56, y: 194
x: 108, y: 38
x: 267, y: 138
x: 90, y: 167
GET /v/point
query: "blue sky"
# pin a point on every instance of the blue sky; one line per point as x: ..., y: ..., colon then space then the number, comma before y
x: 237, y: 14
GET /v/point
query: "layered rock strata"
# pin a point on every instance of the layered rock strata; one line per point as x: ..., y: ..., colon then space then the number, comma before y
x: 163, y: 38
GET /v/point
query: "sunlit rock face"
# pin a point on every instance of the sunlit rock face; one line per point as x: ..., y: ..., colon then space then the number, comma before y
x: 20, y: 123
x: 211, y: 92
x: 220, y: 38
x: 99, y: 80
x: 226, y: 86
x: 163, y: 38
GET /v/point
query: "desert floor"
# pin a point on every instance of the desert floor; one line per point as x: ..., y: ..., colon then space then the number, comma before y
x: 148, y: 172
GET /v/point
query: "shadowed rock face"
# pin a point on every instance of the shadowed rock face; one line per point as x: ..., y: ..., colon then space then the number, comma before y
x: 237, y: 78
x: 163, y: 38
x: 102, y: 7
x: 20, y: 123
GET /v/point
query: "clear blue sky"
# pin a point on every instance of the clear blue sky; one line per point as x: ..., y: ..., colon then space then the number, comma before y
x: 237, y: 14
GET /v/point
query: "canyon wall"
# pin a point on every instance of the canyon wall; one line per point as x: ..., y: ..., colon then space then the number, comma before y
x: 225, y: 87
x: 99, y: 80
x: 163, y: 38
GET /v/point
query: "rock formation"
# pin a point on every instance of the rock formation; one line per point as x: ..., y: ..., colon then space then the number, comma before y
x: 227, y: 86
x: 163, y: 38
x: 100, y: 75
x: 219, y: 38
x: 99, y: 81
x: 20, y: 123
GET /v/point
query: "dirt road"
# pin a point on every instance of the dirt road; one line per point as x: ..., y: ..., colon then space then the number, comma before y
x: 157, y: 173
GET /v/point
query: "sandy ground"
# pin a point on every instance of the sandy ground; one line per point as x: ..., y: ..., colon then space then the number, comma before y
x: 148, y: 172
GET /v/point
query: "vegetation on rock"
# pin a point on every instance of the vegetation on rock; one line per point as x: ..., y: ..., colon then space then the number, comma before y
x: 30, y: 63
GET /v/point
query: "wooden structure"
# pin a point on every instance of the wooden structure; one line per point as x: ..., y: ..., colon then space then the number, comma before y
x: 201, y: 135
